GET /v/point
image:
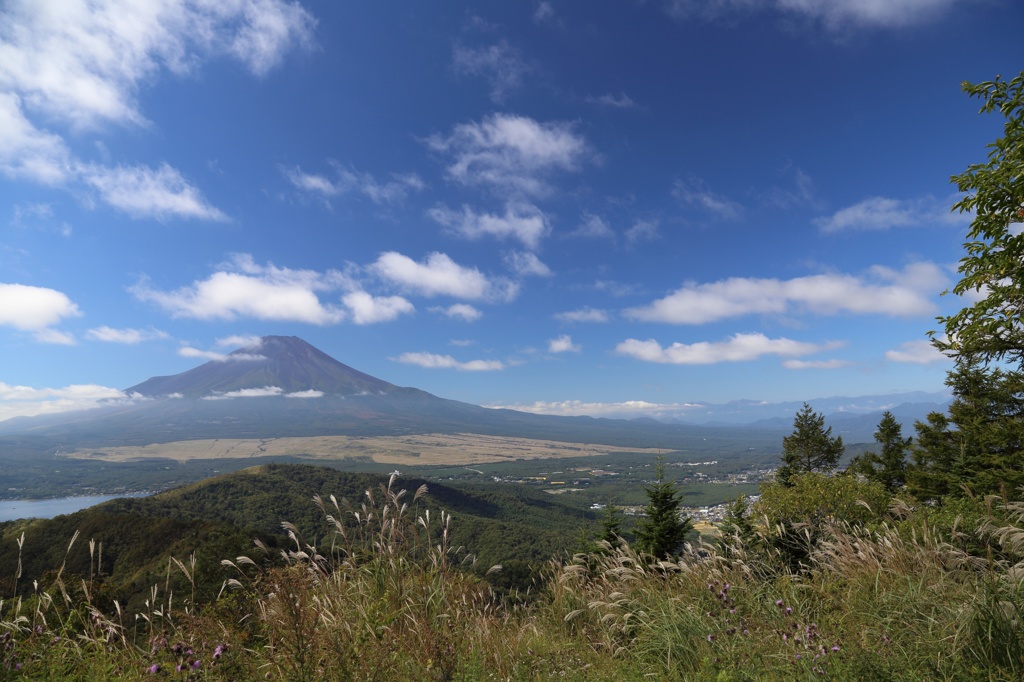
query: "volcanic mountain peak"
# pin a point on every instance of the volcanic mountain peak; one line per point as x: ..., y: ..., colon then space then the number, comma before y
x: 278, y: 362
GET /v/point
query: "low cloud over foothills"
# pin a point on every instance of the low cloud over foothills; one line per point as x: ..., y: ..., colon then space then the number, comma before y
x: 623, y: 212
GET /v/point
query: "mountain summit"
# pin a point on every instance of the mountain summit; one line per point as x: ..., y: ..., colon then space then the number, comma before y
x: 286, y: 363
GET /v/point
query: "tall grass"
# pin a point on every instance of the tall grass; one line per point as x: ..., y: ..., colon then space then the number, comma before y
x: 381, y: 595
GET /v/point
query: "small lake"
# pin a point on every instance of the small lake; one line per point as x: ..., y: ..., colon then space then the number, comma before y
x: 47, y: 509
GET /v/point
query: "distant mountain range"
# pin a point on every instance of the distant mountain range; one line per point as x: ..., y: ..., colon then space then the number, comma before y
x: 283, y: 386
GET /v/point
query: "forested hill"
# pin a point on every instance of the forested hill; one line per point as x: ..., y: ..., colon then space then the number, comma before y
x: 219, y: 517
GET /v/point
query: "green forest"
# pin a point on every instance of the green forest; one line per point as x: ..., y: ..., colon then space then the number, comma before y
x: 907, y: 564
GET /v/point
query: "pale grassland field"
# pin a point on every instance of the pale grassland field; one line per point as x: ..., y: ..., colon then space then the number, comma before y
x: 420, y: 450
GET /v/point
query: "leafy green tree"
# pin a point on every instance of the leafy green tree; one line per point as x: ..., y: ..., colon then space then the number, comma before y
x: 889, y: 467
x: 810, y: 447
x: 979, y: 445
x: 662, y: 530
x: 992, y: 328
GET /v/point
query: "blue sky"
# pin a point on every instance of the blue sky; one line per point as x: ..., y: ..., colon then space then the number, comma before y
x: 615, y: 208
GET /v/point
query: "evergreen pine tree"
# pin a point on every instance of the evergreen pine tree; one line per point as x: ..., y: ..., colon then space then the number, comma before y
x: 810, y: 447
x: 662, y: 530
x: 611, y: 525
x: 980, y: 444
x: 889, y: 467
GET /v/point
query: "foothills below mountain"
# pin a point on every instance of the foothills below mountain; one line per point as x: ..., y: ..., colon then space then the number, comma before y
x: 283, y: 387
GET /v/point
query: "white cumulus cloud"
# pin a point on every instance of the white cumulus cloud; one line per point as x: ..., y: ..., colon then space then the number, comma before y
x: 244, y: 288
x: 81, y: 64
x: 919, y: 352
x: 27, y: 401
x: 439, y: 275
x: 368, y: 309
x: 563, y: 344
x: 36, y: 309
x: 462, y: 311
x: 881, y: 291
x: 434, y: 361
x: 627, y: 409
x: 265, y: 392
x: 737, y: 348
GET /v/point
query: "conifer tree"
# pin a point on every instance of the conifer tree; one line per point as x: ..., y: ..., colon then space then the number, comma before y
x: 611, y: 525
x: 810, y: 447
x: 662, y: 530
x: 980, y: 444
x: 888, y: 467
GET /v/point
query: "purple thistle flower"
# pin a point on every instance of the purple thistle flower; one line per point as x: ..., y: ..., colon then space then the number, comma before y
x: 778, y: 602
x: 153, y: 669
x: 789, y: 610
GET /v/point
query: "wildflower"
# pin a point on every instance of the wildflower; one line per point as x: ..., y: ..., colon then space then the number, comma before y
x: 711, y: 638
x: 778, y: 602
x: 789, y: 610
x: 218, y: 651
x: 153, y: 669
x: 835, y: 648
x: 195, y: 664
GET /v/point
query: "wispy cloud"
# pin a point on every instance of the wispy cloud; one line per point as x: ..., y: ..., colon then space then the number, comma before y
x: 881, y: 213
x: 439, y: 275
x: 461, y: 311
x: 594, y: 227
x: 347, y: 181
x: 642, y: 231
x: 737, y: 348
x: 835, y: 15
x: 433, y: 361
x: 619, y: 101
x: 881, y: 291
x: 126, y: 336
x: 144, y: 192
x: 584, y: 314
x: 522, y: 221
x: 500, y: 64
x: 816, y: 364
x: 511, y: 154
x: 190, y: 352
x: 526, y: 264
x: 544, y: 13
x: 696, y: 194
